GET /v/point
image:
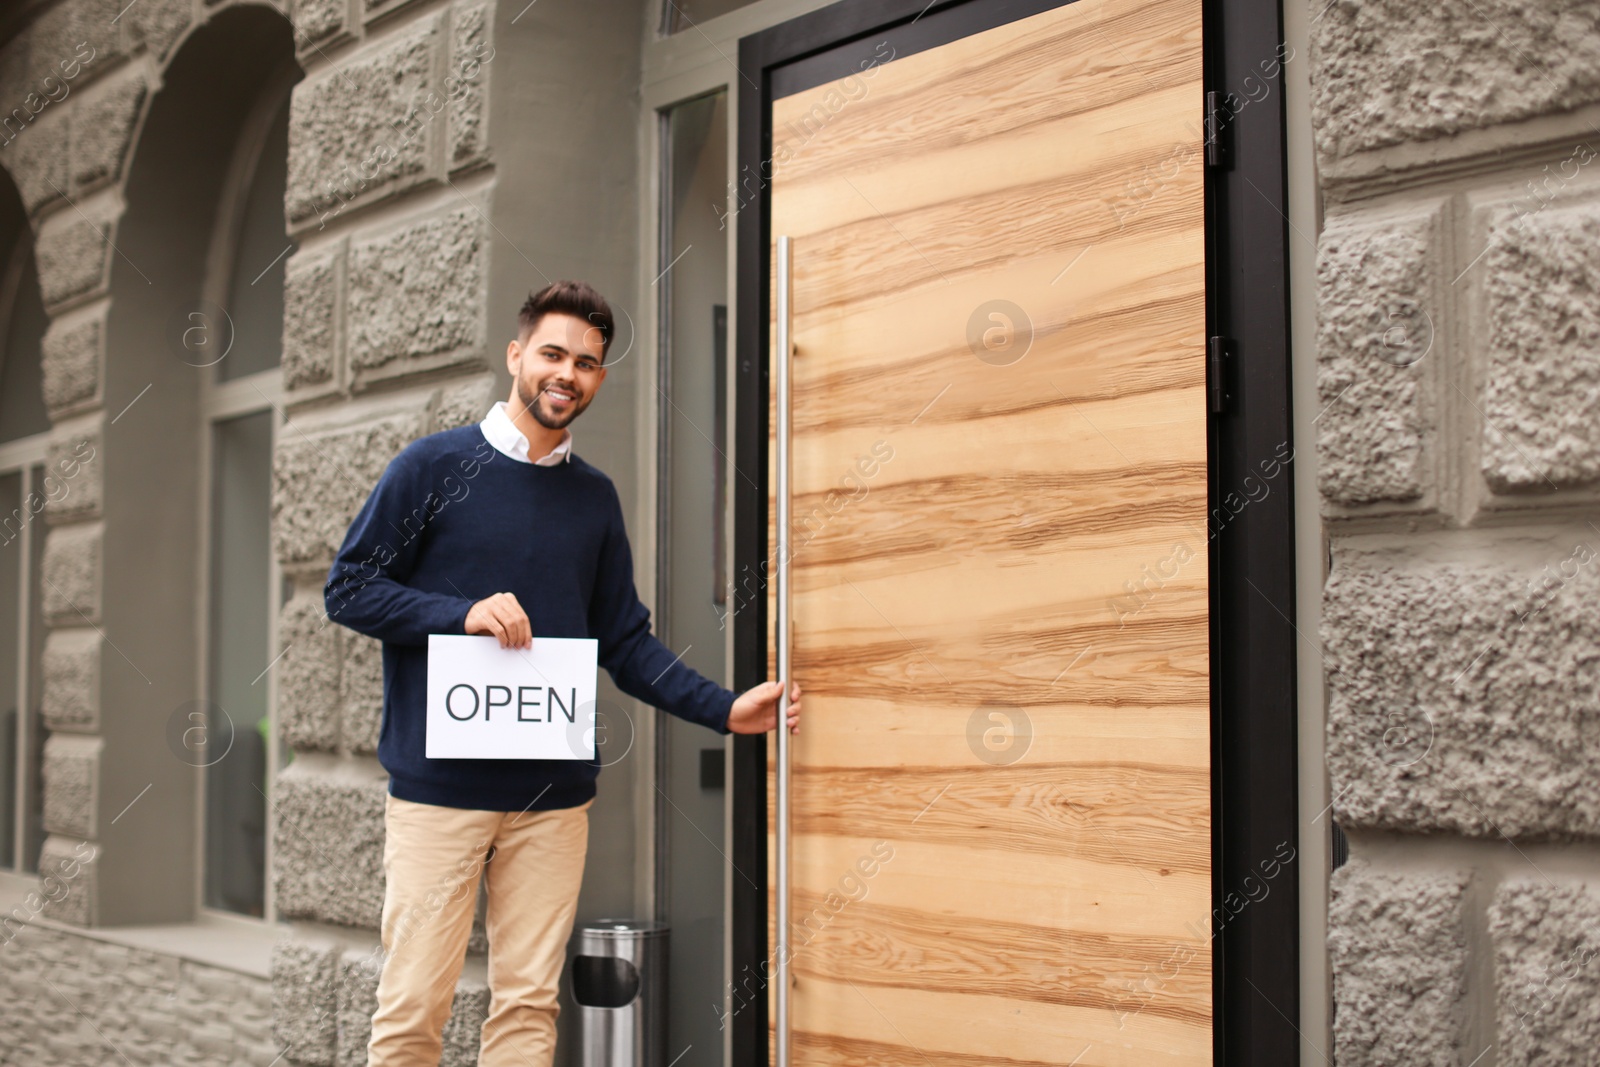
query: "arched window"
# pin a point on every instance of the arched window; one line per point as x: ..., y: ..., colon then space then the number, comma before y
x: 190, y: 587
x: 23, y: 426
x: 238, y: 405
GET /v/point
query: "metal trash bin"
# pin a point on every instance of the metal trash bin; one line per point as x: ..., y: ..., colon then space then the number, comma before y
x: 619, y: 985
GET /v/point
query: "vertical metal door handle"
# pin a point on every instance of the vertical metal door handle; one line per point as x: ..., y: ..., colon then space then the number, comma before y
x: 781, y: 356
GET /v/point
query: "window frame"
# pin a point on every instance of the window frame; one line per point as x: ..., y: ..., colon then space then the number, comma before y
x: 22, y: 456
x: 219, y: 402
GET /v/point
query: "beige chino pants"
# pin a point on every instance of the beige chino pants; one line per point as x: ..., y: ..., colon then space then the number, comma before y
x: 432, y: 859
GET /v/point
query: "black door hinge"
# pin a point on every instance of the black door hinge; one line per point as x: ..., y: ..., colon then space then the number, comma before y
x: 1219, y: 393
x: 1216, y: 143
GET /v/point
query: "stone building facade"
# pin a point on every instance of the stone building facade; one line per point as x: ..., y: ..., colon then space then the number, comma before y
x: 441, y: 157
x: 403, y: 272
x: 1459, y: 456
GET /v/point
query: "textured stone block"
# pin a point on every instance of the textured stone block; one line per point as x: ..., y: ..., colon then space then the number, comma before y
x: 361, y: 693
x: 53, y: 35
x: 72, y: 1000
x: 308, y: 675
x: 74, y: 480
x: 1376, y: 309
x: 465, y: 85
x: 464, y: 404
x: 71, y: 252
x: 73, y: 353
x: 464, y: 1028
x: 1386, y: 72
x: 365, y: 128
x: 416, y: 297
x: 86, y: 32
x: 71, y: 573
x: 321, y: 480
x: 1541, y: 398
x: 311, y: 301
x: 71, y: 778
x: 71, y: 667
x: 328, y: 836
x: 358, y: 999
x: 1461, y: 695
x: 68, y: 880
x: 35, y: 152
x: 102, y: 128
x: 305, y: 1000
x: 155, y: 25
x: 1398, y: 946
x: 316, y: 21
x: 1547, y: 975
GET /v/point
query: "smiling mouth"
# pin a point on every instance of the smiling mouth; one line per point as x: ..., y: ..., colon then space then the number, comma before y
x: 559, y: 396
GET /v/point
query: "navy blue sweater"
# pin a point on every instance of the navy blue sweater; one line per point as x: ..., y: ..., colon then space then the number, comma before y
x: 453, y: 521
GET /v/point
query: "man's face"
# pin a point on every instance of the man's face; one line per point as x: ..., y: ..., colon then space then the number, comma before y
x: 557, y: 368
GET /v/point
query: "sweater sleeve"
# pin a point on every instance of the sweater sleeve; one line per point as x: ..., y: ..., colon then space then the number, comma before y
x: 642, y: 666
x: 366, y: 588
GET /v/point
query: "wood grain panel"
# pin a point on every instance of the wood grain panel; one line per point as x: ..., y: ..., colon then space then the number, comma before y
x: 977, y: 538
x: 1105, y: 898
x: 979, y: 1025
x: 1140, y: 814
x: 875, y: 945
x: 1036, y: 70
x: 813, y: 1047
x: 1065, y: 734
x: 916, y: 517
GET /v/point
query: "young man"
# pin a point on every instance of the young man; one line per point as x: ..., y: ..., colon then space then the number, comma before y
x: 500, y: 529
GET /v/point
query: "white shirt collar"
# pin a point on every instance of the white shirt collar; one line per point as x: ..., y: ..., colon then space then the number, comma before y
x: 503, y: 434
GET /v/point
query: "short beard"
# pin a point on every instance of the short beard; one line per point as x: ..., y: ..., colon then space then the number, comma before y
x: 547, y: 421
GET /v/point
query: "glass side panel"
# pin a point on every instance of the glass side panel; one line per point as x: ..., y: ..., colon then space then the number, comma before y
x: 692, y: 593
x: 238, y: 729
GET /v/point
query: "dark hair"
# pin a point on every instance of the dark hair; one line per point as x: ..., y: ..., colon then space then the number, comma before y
x: 578, y: 299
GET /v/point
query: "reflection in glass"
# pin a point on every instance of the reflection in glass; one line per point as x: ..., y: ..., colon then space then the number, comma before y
x: 32, y: 721
x: 239, y: 653
x: 255, y: 293
x: 22, y: 315
x: 691, y: 591
x: 10, y: 633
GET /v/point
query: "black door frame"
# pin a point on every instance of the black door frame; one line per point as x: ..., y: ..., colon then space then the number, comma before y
x: 1256, y: 978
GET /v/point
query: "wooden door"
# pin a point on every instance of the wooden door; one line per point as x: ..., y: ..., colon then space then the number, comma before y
x: 1002, y: 788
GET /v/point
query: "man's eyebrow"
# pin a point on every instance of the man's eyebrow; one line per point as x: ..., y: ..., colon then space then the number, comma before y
x: 552, y: 346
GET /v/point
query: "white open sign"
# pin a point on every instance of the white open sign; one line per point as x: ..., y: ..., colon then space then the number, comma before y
x: 488, y: 702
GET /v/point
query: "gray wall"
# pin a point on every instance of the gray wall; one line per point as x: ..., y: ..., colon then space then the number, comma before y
x: 1459, y: 467
x: 72, y: 1001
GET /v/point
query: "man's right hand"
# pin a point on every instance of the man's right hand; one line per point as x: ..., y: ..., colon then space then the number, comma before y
x: 501, y: 616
